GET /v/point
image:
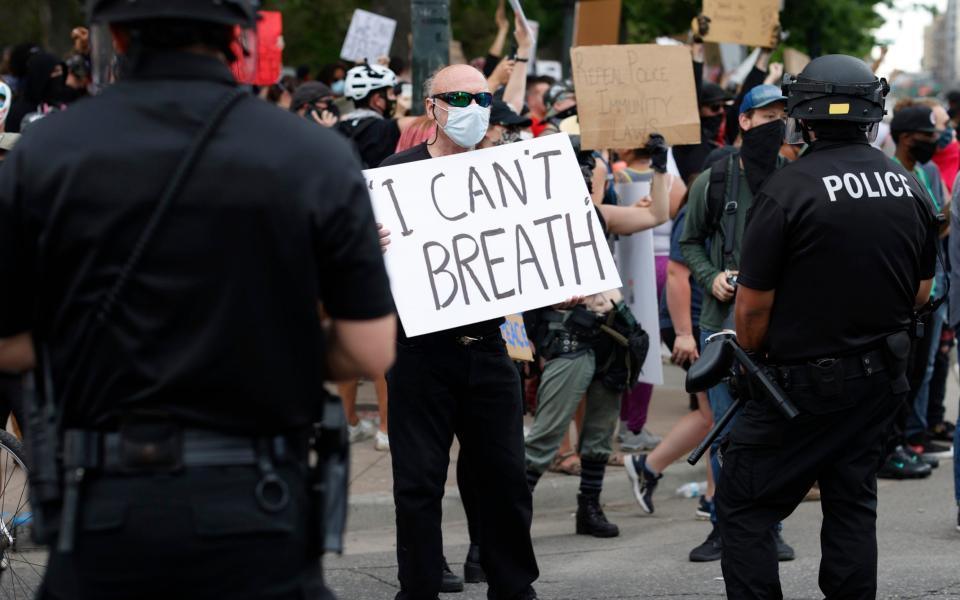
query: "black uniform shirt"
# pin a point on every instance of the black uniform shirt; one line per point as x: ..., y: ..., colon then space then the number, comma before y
x: 483, y: 328
x: 844, y: 235
x: 218, y: 327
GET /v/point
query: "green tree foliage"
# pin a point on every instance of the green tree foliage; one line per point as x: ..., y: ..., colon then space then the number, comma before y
x: 814, y: 26
x: 314, y: 29
x: 44, y: 21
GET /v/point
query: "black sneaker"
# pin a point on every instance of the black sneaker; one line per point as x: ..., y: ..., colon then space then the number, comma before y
x: 710, y: 550
x: 917, y: 457
x: 784, y: 550
x: 942, y: 432
x: 703, y: 509
x: 900, y: 465
x: 450, y: 584
x: 922, y: 445
x: 644, y: 483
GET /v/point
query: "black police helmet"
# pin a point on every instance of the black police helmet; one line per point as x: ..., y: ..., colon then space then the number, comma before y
x: 836, y: 87
x: 226, y: 12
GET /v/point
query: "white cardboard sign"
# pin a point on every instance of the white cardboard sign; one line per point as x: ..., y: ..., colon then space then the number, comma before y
x: 488, y: 233
x: 637, y: 266
x: 369, y: 37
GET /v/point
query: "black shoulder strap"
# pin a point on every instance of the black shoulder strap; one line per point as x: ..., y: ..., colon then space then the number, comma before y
x: 723, y: 200
x: 730, y: 209
x: 176, y: 181
x: 169, y: 194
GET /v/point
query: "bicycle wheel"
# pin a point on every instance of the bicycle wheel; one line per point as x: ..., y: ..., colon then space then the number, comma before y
x: 22, y: 563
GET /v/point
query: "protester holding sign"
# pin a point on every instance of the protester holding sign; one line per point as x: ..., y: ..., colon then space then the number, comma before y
x: 458, y: 382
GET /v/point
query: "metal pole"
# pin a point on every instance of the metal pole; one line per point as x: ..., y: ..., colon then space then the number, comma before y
x: 430, y: 21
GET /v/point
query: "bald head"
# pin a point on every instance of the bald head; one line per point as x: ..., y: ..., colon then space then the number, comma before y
x: 458, y: 78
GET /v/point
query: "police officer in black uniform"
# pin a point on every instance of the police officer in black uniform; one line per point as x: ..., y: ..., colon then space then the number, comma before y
x: 185, y: 360
x: 839, y: 251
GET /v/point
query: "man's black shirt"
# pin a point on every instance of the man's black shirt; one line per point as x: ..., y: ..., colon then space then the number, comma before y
x: 845, y: 236
x: 218, y: 326
x: 483, y: 328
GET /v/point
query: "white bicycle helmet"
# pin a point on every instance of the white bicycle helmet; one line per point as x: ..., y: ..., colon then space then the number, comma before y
x: 362, y: 80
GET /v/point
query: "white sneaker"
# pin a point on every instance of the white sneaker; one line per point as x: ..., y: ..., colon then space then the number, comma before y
x: 635, y: 442
x: 363, y: 430
x: 381, y: 442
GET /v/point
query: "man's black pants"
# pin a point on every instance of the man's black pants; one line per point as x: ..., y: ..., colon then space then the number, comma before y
x: 438, y: 389
x: 196, y: 534
x: 770, y: 464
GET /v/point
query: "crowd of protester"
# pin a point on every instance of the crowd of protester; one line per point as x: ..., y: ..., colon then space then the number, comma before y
x: 696, y: 245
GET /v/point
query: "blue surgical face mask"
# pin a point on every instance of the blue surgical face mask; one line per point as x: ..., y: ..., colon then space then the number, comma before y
x: 466, y: 126
x: 945, y: 138
x: 337, y: 87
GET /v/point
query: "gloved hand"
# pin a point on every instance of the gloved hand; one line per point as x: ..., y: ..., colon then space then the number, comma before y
x: 587, y: 172
x: 699, y: 27
x: 657, y: 149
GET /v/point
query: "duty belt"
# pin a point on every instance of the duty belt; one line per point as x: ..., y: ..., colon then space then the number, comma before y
x: 165, y: 447
x: 844, y: 368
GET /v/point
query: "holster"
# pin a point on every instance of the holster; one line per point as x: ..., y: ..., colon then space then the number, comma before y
x: 42, y: 443
x: 897, y: 352
x: 330, y: 475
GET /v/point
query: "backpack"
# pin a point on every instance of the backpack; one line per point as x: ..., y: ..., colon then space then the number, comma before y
x: 354, y: 133
x: 725, y: 183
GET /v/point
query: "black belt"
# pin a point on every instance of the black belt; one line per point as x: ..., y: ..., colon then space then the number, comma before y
x: 847, y: 367
x: 434, y: 339
x: 110, y: 453
x: 167, y: 448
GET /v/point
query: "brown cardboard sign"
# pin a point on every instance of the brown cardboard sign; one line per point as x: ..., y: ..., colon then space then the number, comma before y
x: 625, y: 93
x: 596, y: 22
x: 746, y: 22
x: 794, y: 61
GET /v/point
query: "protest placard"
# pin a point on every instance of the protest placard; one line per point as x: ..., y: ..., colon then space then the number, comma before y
x: 488, y: 233
x: 369, y: 37
x: 514, y: 333
x: 794, y: 61
x: 518, y: 10
x: 625, y: 93
x: 552, y: 68
x: 596, y: 22
x: 747, y: 22
x: 637, y: 265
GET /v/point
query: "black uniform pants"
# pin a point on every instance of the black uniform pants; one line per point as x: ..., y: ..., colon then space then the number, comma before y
x: 439, y: 390
x: 196, y: 534
x: 771, y: 463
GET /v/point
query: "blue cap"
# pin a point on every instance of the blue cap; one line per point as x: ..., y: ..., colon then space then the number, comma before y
x: 761, y: 96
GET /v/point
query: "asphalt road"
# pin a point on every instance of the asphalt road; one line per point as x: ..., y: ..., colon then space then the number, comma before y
x: 917, y: 537
x: 919, y: 549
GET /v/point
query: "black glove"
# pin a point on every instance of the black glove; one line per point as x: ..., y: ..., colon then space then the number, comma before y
x: 699, y: 28
x: 657, y: 149
x: 587, y: 172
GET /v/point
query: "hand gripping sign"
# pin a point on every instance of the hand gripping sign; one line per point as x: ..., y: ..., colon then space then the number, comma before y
x: 488, y: 233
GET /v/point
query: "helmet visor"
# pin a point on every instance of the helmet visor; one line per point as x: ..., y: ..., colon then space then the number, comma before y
x: 794, y: 131
x: 104, y: 61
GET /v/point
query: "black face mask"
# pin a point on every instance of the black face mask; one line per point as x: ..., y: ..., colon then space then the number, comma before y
x: 759, y: 151
x: 710, y: 126
x: 922, y: 151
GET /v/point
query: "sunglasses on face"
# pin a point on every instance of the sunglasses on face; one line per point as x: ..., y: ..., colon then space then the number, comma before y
x: 462, y: 99
x: 716, y: 107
